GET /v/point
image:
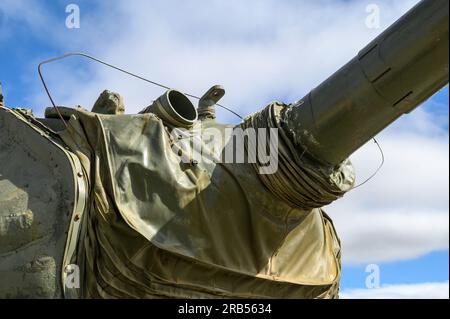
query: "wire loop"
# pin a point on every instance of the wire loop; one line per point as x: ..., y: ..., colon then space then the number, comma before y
x: 113, y: 67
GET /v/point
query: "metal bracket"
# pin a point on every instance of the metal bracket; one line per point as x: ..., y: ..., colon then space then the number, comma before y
x: 206, y: 103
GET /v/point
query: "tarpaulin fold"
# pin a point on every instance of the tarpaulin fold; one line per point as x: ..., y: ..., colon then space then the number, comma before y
x: 158, y: 227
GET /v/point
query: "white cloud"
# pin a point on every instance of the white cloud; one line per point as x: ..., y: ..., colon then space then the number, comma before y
x: 382, y: 236
x: 23, y: 15
x: 403, y: 212
x: 434, y: 290
x: 259, y: 50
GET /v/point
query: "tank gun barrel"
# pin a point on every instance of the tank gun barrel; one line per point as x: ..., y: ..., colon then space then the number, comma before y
x: 391, y: 76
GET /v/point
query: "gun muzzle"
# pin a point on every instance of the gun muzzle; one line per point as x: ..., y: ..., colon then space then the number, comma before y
x: 174, y: 108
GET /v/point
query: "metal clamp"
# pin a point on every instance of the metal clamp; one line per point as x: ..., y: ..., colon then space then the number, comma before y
x: 207, y: 102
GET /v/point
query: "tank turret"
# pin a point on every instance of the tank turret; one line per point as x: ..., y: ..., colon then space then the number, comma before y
x: 103, y: 204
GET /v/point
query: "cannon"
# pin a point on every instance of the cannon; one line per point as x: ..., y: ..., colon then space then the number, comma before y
x: 169, y: 203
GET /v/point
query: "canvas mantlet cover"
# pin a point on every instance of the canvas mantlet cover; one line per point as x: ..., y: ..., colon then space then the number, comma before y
x: 150, y: 218
x: 159, y: 227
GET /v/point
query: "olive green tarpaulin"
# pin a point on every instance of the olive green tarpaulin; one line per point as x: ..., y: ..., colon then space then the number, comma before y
x: 156, y: 227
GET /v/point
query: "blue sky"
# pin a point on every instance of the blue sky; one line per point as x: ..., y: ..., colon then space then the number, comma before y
x: 260, y: 51
x: 432, y: 267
